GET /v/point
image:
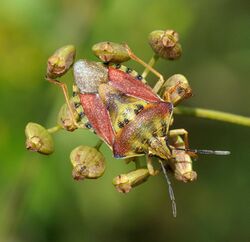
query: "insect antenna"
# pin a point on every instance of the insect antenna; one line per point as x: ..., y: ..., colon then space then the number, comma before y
x: 170, y: 190
x: 206, y: 152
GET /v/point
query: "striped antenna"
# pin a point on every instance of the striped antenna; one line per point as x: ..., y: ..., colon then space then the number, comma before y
x: 206, y: 152
x: 170, y: 190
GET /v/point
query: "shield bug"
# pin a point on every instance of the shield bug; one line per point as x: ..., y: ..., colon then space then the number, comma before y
x: 133, y: 119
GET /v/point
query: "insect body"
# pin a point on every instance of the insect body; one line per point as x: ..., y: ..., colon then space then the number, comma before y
x: 133, y: 119
x: 122, y: 110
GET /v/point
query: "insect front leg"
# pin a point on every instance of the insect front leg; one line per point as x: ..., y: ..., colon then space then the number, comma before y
x: 64, y: 88
x: 155, y: 72
x: 150, y: 166
x: 179, y: 132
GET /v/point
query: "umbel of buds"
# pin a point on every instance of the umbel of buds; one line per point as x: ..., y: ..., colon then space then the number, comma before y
x: 60, y: 62
x: 38, y: 139
x: 111, y: 52
x: 87, y: 162
x: 176, y: 88
x: 124, y: 182
x: 165, y: 44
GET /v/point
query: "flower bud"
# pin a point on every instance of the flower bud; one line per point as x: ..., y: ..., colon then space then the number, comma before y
x: 60, y: 62
x: 165, y: 44
x: 64, y: 118
x: 38, y: 139
x: 87, y: 162
x: 124, y: 182
x: 176, y: 88
x: 181, y: 163
x: 110, y: 52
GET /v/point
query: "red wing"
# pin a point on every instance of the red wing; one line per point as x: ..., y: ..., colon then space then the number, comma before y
x: 98, y: 116
x: 129, y: 85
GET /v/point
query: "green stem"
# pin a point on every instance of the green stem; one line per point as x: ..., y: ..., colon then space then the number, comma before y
x: 151, y: 63
x: 214, y: 115
x: 54, y: 129
x: 98, y: 144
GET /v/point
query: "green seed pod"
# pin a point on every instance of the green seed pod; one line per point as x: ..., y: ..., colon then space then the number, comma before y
x: 176, y: 88
x: 64, y: 118
x: 165, y: 44
x: 124, y: 182
x: 110, y: 52
x: 87, y: 162
x: 60, y: 62
x: 38, y: 139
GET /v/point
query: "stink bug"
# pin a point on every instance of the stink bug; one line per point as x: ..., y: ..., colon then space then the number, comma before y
x: 133, y: 119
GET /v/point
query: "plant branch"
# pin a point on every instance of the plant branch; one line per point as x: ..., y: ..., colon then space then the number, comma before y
x: 214, y: 115
x: 54, y: 129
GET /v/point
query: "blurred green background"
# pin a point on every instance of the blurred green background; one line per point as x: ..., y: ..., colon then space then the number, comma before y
x: 39, y: 201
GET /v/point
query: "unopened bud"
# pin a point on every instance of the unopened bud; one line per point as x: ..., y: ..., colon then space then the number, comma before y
x: 64, y: 118
x: 124, y: 182
x: 87, y: 162
x: 111, y: 52
x: 165, y: 44
x: 38, y: 139
x: 176, y: 88
x: 60, y: 62
x: 181, y: 163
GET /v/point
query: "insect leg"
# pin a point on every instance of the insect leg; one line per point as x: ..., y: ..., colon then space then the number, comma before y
x: 179, y: 132
x: 66, y: 96
x: 150, y: 167
x: 137, y: 59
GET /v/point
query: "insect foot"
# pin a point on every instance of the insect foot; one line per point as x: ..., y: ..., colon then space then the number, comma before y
x: 60, y: 62
x: 87, y: 162
x: 165, y: 44
x: 124, y: 182
x: 64, y: 119
x: 38, y: 139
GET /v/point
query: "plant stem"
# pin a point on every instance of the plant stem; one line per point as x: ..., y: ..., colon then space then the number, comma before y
x: 54, y: 129
x: 214, y: 115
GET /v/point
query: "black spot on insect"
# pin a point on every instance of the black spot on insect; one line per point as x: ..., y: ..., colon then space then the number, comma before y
x: 139, y: 150
x: 136, y: 111
x: 139, y: 77
x: 81, y: 114
x: 163, y: 128
x: 117, y: 66
x: 126, y: 121
x: 120, y: 124
x: 129, y: 70
x: 105, y: 63
x: 74, y: 94
x: 139, y: 107
x: 88, y: 125
x: 77, y: 105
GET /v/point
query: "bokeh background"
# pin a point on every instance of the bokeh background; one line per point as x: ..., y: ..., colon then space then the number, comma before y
x: 39, y: 201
